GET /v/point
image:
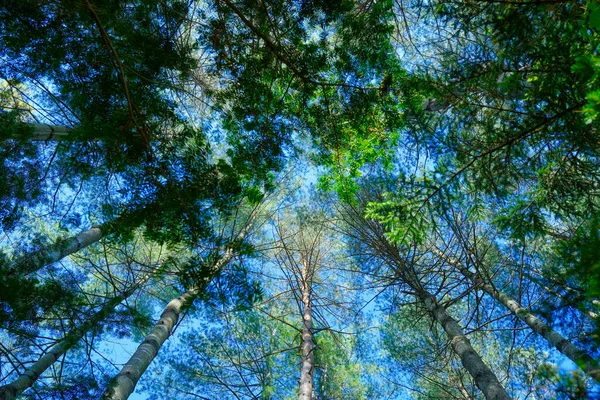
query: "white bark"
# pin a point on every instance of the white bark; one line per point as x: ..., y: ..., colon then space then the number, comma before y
x: 123, y: 385
x: 483, y: 376
x: 28, y: 378
x: 44, y: 132
x: 36, y: 260
x: 372, y: 234
x: 308, y: 356
x: 579, y: 357
x: 590, y: 366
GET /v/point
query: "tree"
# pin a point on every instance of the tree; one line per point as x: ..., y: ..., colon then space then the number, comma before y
x: 158, y: 120
x: 260, y: 352
x: 124, y: 383
x: 371, y: 236
x: 13, y: 389
x: 579, y: 357
x: 115, y: 275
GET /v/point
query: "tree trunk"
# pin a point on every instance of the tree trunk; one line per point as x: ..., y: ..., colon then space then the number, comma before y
x: 41, y: 133
x: 579, y: 357
x: 123, y: 385
x: 13, y: 389
x: 373, y: 235
x: 36, y: 260
x: 308, y: 355
x: 484, y: 378
x: 44, y: 132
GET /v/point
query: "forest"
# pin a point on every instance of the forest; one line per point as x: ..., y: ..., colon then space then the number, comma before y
x: 301, y: 199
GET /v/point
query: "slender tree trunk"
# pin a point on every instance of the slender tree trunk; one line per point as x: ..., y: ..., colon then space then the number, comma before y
x: 483, y: 376
x: 43, y: 132
x: 308, y: 355
x: 123, y: 385
x: 579, y: 357
x: 373, y: 234
x: 13, y: 389
x: 49, y: 133
x: 36, y: 260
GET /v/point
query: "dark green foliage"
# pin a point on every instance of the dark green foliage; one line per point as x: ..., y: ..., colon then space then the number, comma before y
x: 79, y: 387
x: 20, y: 171
x: 581, y: 268
x: 26, y: 299
x: 199, y: 271
x: 321, y: 69
x: 69, y: 43
x: 234, y: 287
x: 521, y: 129
x: 512, y: 133
x: 226, y: 285
x: 108, y: 66
x: 582, y: 253
x: 495, y: 121
x: 133, y: 322
x: 564, y: 385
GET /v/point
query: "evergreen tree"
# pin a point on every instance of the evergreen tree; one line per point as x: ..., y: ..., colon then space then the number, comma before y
x: 459, y: 144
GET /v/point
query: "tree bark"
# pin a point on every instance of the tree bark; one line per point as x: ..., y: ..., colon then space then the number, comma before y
x: 43, y: 132
x: 28, y: 378
x: 583, y: 360
x: 36, y: 260
x: 484, y: 378
x: 123, y: 385
x: 373, y: 235
x: 308, y: 356
x: 49, y: 133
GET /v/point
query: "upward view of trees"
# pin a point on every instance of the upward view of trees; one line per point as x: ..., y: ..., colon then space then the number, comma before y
x: 240, y: 199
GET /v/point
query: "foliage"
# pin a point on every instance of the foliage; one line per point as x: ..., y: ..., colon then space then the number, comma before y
x: 458, y: 141
x: 569, y: 385
x: 581, y: 260
x: 340, y: 374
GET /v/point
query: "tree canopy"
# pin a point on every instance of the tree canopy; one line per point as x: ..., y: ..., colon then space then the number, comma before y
x: 300, y: 199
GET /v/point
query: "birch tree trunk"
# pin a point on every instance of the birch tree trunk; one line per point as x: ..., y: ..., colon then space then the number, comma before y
x: 36, y: 260
x: 123, y: 385
x: 308, y: 356
x: 589, y: 365
x: 372, y: 234
x: 28, y: 378
x: 484, y: 378
x: 44, y: 132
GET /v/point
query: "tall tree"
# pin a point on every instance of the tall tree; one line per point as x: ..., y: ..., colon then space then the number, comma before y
x: 88, y: 307
x: 588, y: 364
x: 372, y: 237
x: 24, y: 381
x: 199, y: 275
x: 159, y: 119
